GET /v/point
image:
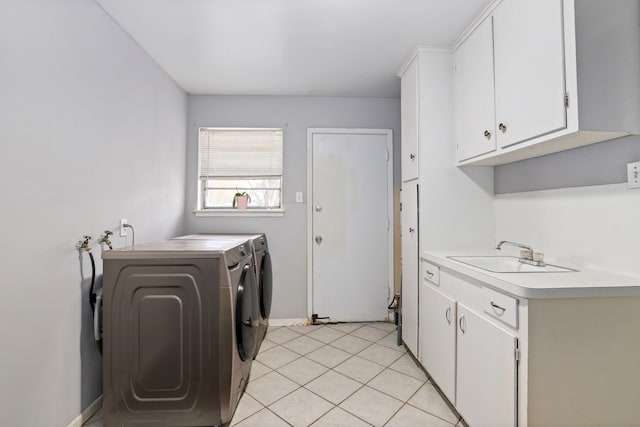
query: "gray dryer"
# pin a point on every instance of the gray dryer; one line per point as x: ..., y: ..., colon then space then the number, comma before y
x: 262, y: 259
x: 180, y: 332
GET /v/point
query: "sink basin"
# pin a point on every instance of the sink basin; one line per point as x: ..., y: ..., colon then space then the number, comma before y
x: 507, y: 264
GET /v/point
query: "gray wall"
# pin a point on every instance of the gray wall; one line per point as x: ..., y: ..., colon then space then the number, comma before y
x: 92, y: 131
x: 598, y: 164
x: 287, y: 235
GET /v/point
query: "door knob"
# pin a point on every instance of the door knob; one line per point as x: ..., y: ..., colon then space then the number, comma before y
x: 318, y: 239
x: 318, y: 208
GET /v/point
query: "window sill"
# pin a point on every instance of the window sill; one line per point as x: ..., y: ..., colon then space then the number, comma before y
x: 239, y: 213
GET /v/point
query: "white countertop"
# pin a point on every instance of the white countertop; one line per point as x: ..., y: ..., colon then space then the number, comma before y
x: 579, y: 284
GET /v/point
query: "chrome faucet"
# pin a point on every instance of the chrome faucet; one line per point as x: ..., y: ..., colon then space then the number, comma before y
x: 527, y: 256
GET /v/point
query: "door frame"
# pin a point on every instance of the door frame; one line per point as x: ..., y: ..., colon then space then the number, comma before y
x: 390, y: 220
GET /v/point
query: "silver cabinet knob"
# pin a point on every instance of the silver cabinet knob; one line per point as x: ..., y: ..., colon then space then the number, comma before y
x: 318, y: 239
x: 502, y: 127
x: 412, y: 156
x: 318, y: 208
x: 487, y: 134
x: 411, y: 230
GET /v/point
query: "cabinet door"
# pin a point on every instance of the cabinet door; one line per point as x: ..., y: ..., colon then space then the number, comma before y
x: 409, y: 298
x: 486, y: 372
x: 438, y: 338
x: 474, y: 117
x: 529, y: 69
x: 409, y: 87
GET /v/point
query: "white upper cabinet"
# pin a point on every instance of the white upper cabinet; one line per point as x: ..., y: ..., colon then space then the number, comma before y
x: 529, y: 70
x: 409, y: 110
x: 562, y: 74
x: 474, y: 118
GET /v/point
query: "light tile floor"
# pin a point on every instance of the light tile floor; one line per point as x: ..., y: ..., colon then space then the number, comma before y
x: 349, y: 374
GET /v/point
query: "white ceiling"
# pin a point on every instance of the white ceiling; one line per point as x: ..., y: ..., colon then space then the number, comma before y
x: 290, y: 47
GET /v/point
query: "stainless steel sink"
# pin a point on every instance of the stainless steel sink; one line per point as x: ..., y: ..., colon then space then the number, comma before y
x: 507, y: 264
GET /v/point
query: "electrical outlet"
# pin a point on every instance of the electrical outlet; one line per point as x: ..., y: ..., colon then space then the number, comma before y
x: 299, y: 197
x: 123, y: 229
x: 633, y: 175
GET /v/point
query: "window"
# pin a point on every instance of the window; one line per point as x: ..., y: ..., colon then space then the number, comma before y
x: 241, y: 160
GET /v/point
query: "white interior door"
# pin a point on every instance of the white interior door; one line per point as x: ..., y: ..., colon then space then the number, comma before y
x: 350, y: 217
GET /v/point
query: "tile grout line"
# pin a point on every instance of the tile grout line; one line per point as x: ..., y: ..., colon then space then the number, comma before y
x: 300, y: 357
x: 361, y: 385
x: 328, y: 369
x: 395, y: 413
x: 285, y: 421
x: 351, y: 356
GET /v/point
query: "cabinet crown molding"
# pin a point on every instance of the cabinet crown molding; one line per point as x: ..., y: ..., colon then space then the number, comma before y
x: 486, y: 12
x: 418, y: 50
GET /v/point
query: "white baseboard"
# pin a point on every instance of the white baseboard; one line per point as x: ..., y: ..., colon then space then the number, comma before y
x: 288, y: 322
x: 87, y: 413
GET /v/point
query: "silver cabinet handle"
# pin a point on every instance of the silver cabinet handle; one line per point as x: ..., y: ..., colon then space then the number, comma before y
x: 429, y: 274
x: 447, y: 315
x: 496, y: 306
x: 411, y: 230
x: 318, y: 239
x: 463, y: 324
x: 502, y: 127
x: 487, y: 134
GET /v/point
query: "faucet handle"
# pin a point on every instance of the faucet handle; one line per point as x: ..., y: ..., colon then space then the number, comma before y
x: 526, y: 254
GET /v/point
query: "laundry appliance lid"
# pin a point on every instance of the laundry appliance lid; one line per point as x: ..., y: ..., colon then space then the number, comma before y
x: 176, y: 248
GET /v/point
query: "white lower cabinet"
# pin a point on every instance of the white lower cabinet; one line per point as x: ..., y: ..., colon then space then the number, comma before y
x: 470, y: 353
x: 508, y: 361
x: 486, y: 380
x: 438, y: 338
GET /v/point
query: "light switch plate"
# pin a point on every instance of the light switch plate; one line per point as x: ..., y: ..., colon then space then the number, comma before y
x: 633, y: 175
x: 299, y: 197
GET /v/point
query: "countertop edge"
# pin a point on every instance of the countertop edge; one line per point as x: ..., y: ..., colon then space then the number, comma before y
x: 504, y: 281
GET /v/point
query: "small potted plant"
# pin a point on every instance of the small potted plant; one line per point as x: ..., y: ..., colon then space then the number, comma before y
x: 241, y: 200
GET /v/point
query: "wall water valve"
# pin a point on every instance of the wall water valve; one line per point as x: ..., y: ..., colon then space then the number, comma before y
x: 83, y: 245
x: 105, y: 238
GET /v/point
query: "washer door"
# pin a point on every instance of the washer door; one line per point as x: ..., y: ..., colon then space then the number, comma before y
x: 266, y: 285
x: 247, y: 314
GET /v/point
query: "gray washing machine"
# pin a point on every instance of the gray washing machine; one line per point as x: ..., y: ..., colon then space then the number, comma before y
x: 262, y: 259
x: 180, y: 321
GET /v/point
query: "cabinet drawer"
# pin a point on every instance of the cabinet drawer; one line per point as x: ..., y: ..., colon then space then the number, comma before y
x: 431, y: 272
x: 502, y: 307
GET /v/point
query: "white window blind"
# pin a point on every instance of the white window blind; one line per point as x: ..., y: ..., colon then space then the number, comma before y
x: 227, y: 152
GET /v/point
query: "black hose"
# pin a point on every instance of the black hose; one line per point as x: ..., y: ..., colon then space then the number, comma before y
x: 92, y: 294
